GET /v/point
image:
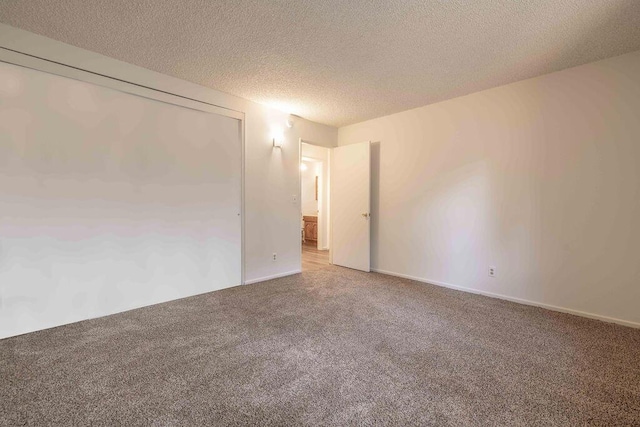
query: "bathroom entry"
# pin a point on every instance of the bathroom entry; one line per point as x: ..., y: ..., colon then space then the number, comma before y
x: 311, y: 172
x: 314, y: 198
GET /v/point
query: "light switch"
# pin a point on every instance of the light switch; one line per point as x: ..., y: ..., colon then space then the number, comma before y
x: 294, y: 199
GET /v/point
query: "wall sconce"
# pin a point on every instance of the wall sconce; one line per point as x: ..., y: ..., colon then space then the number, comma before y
x: 277, y: 142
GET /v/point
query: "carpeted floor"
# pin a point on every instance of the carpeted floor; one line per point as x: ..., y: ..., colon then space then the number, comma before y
x: 328, y: 347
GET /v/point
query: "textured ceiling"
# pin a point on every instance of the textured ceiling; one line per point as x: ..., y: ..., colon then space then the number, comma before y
x: 335, y: 61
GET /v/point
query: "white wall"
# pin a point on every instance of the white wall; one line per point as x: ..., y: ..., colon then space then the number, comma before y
x: 539, y: 178
x: 272, y: 218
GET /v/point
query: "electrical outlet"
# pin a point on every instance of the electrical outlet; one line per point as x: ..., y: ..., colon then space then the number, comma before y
x: 275, y: 256
x: 492, y: 272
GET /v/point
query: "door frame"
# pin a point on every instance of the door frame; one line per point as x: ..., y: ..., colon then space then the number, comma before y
x: 325, y: 189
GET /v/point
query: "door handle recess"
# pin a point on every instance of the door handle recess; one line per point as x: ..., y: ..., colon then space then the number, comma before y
x: 366, y: 215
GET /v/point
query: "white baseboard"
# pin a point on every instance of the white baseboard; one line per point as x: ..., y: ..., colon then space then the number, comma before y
x: 513, y: 299
x: 275, y: 276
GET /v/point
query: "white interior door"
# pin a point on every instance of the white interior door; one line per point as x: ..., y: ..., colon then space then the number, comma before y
x: 350, y: 206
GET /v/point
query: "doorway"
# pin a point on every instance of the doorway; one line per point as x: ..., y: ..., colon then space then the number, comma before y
x: 314, y: 203
x: 335, y: 219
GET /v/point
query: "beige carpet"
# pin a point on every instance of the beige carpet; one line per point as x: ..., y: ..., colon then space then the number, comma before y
x: 328, y: 347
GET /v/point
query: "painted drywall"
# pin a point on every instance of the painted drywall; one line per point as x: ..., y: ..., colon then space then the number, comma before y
x: 538, y: 178
x: 110, y: 201
x: 322, y: 155
x: 271, y: 175
x: 272, y: 179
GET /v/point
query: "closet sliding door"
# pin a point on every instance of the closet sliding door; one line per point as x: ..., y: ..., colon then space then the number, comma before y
x: 110, y: 201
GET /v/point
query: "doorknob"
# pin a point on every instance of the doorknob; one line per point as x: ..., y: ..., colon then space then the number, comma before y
x: 366, y: 215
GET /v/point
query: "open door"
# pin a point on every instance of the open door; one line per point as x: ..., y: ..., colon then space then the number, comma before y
x: 350, y: 204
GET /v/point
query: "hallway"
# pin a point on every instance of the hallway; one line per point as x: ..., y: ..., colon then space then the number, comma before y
x: 312, y: 258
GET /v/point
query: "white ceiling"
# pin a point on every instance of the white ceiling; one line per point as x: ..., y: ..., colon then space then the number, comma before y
x: 341, y: 61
